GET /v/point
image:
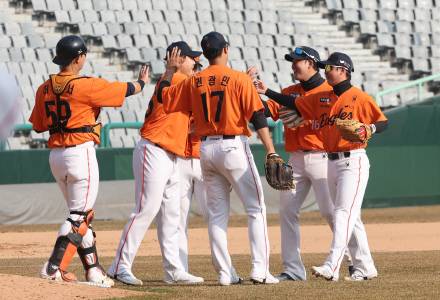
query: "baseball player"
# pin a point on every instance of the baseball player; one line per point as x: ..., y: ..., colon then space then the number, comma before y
x: 307, y: 157
x: 223, y: 101
x: 348, y: 165
x: 68, y: 105
x: 163, y: 139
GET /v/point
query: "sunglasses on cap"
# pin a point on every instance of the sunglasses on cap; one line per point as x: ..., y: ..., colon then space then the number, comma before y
x: 301, y: 52
x: 328, y: 68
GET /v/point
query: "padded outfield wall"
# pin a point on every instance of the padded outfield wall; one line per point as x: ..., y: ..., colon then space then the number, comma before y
x: 405, y: 160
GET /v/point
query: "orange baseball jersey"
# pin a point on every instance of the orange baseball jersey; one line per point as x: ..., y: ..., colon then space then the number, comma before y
x: 303, y: 137
x: 222, y: 101
x: 325, y: 107
x: 193, y: 143
x: 77, y: 106
x: 169, y: 131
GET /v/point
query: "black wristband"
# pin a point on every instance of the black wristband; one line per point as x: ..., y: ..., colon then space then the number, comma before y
x: 141, y: 83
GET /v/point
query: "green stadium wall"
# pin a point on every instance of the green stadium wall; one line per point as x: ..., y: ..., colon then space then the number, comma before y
x: 405, y: 160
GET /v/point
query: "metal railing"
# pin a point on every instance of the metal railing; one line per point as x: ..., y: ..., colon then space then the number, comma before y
x: 418, y: 82
x: 105, y: 131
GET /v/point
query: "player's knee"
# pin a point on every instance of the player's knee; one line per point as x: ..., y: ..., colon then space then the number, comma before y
x: 255, y: 212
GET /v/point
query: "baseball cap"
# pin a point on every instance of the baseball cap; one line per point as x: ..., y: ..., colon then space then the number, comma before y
x: 185, y: 49
x: 68, y: 48
x: 213, y: 41
x: 301, y: 53
x: 338, y: 59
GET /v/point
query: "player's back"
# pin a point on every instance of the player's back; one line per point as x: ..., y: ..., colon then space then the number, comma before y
x: 223, y: 101
x: 77, y: 105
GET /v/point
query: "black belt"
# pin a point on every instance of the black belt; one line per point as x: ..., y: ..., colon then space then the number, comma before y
x: 84, y: 129
x: 335, y: 155
x: 225, y: 137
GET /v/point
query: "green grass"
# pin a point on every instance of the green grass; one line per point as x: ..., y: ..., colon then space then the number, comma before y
x: 402, y: 275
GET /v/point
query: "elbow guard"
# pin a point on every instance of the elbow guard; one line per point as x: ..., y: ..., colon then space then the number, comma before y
x: 259, y: 120
x: 163, y: 84
x: 130, y: 89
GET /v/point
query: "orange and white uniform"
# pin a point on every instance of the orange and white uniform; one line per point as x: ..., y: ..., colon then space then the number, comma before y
x: 348, y: 170
x: 222, y: 102
x: 309, y: 162
x: 68, y: 106
x: 156, y: 175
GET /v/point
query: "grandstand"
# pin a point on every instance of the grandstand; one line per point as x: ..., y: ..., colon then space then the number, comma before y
x: 390, y: 41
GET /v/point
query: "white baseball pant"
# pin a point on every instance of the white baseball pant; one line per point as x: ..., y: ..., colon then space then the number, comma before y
x: 156, y: 193
x: 191, y: 184
x: 76, y: 171
x: 226, y: 163
x: 309, y: 170
x: 347, y: 179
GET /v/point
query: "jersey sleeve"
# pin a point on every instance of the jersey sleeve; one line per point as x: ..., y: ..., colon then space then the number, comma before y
x: 273, y: 108
x: 38, y: 113
x: 370, y: 112
x: 106, y: 94
x: 177, y: 97
x: 250, y: 100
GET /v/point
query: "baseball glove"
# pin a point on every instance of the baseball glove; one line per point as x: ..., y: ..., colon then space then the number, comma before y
x: 354, y: 131
x: 279, y: 175
x: 290, y: 117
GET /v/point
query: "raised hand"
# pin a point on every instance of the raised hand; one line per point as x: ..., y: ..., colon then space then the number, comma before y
x: 253, y: 73
x: 144, y: 74
x: 173, y: 59
x: 260, y: 86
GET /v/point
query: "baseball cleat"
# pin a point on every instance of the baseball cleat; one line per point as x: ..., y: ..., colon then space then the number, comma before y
x: 351, y: 270
x: 183, y: 277
x: 324, y: 272
x: 97, y: 276
x: 127, y: 277
x: 357, y: 276
x: 285, y: 277
x: 270, y: 279
x: 235, y: 280
x: 56, y: 274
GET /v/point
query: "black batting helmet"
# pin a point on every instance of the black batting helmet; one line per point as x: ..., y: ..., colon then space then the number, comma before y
x: 69, y: 48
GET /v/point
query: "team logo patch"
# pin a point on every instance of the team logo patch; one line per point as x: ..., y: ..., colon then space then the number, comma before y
x: 324, y: 100
x: 295, y: 95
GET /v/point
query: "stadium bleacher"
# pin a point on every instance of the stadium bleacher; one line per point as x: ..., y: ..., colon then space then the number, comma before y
x: 121, y: 35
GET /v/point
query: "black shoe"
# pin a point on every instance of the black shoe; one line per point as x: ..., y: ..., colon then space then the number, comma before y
x: 284, y: 277
x: 351, y: 270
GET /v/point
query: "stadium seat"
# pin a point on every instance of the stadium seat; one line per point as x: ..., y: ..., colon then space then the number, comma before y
x: 220, y: 16
x: 266, y: 40
x: 368, y: 14
x: 76, y: 16
x: 387, y: 15
x: 407, y: 4
x: 420, y: 52
x: 250, y: 40
x: 388, y: 4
